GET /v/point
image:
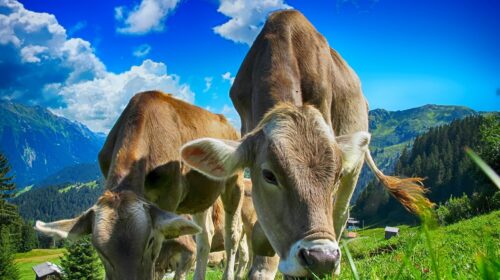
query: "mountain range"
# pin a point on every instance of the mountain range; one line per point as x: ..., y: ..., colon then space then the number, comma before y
x: 48, y: 150
x: 54, y: 162
x: 39, y: 143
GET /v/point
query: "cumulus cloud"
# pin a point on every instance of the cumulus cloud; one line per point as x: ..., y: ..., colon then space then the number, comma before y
x: 227, y: 77
x: 41, y: 65
x: 208, y: 83
x: 99, y: 102
x: 247, y: 18
x: 142, y: 50
x: 146, y: 17
x: 35, y: 50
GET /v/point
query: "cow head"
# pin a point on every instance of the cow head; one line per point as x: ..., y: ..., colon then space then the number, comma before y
x: 296, y: 164
x: 127, y: 233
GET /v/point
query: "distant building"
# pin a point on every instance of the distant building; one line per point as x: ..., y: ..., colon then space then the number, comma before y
x: 391, y: 231
x: 352, y: 224
x: 47, y: 271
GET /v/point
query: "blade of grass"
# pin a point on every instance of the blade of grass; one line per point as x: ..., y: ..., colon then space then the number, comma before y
x: 351, y: 261
x: 428, y: 242
x: 484, y: 166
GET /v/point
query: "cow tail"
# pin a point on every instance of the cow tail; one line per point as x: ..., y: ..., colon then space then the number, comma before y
x: 410, y: 192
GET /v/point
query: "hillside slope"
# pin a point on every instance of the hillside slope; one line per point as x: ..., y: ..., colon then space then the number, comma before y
x: 39, y: 143
x: 462, y: 251
x: 58, y: 202
x: 393, y: 130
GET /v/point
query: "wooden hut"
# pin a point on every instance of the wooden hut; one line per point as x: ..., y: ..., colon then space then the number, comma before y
x: 391, y: 231
x: 47, y: 271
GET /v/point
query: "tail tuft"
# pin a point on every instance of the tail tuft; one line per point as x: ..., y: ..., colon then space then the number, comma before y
x: 410, y: 192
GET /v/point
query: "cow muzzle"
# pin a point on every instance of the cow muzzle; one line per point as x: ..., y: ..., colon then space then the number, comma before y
x: 311, y: 257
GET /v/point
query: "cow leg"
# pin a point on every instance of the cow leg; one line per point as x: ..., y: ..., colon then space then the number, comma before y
x: 185, y: 263
x: 264, y: 268
x: 341, y: 202
x: 243, y: 258
x: 232, y: 199
x: 203, y: 243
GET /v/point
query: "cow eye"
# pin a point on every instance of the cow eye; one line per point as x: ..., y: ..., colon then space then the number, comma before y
x: 269, y: 177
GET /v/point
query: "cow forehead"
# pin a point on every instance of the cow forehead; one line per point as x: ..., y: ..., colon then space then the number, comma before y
x: 127, y: 220
x: 303, y: 144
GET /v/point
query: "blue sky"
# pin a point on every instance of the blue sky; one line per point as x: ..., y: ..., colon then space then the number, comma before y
x: 85, y: 59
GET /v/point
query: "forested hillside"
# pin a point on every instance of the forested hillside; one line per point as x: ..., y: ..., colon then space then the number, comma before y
x: 392, y: 131
x: 58, y: 202
x: 439, y: 156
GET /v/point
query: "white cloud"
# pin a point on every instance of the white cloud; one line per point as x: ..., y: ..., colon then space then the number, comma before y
x: 46, y: 67
x: 142, y: 50
x: 99, y: 102
x: 146, y: 17
x: 36, y: 50
x: 227, y: 77
x: 208, y: 83
x: 247, y: 18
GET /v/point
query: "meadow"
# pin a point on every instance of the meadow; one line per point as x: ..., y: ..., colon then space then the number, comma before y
x: 468, y: 249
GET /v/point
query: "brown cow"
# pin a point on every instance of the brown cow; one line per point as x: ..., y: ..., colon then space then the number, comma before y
x: 305, y: 122
x: 178, y: 254
x: 142, y: 165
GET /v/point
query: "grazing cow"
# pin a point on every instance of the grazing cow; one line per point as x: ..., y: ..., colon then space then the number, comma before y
x: 142, y: 165
x: 305, y: 122
x: 178, y: 254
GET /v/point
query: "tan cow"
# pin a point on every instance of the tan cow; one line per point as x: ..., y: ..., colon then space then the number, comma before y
x: 305, y: 122
x: 141, y: 162
x: 178, y: 254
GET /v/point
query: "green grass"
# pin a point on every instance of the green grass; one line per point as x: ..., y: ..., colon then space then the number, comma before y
x: 25, y: 261
x: 466, y: 250
x: 460, y: 251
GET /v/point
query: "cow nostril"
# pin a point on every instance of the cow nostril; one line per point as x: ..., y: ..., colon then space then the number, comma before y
x: 304, y: 257
x: 336, y: 255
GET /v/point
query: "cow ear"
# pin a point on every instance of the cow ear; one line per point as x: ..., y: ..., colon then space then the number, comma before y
x: 218, y: 159
x: 172, y: 225
x: 354, y: 147
x: 71, y: 229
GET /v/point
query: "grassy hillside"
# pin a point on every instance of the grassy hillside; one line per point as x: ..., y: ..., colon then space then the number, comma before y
x: 26, y: 261
x: 464, y: 250
x: 459, y: 250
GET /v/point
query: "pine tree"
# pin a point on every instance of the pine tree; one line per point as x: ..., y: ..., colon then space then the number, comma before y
x: 8, y: 271
x: 9, y: 215
x: 8, y: 212
x: 81, y: 261
x: 29, y: 239
x: 6, y: 185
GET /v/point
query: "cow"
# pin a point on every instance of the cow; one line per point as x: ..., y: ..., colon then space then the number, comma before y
x: 146, y: 182
x: 178, y: 254
x: 304, y: 123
